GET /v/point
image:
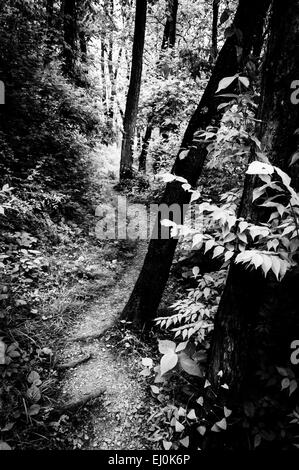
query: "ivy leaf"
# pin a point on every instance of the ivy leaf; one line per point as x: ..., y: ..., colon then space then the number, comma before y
x: 185, y: 442
x: 179, y: 427
x: 200, y: 401
x: 191, y: 415
x: 202, y: 430
x: 168, y: 362
x: 227, y: 412
x: 167, y: 445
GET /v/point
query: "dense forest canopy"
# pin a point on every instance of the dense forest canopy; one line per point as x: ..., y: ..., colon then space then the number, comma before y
x: 149, y: 217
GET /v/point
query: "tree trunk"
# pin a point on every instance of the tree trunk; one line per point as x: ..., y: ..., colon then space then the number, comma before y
x: 145, y: 298
x: 250, y: 300
x: 214, y: 50
x: 146, y: 141
x: 134, y: 91
x: 169, y: 36
x: 70, y: 36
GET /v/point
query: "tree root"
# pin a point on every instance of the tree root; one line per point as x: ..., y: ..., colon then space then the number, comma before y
x: 75, y: 363
x: 73, y: 405
x: 96, y: 335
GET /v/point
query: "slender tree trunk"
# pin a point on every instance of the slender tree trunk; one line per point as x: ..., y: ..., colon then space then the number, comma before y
x: 169, y: 36
x: 70, y: 36
x: 214, y: 50
x: 144, y: 151
x: 145, y: 298
x: 103, y: 74
x: 134, y: 91
x: 249, y: 300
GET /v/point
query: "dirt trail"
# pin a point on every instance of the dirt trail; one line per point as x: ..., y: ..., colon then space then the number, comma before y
x: 117, y: 416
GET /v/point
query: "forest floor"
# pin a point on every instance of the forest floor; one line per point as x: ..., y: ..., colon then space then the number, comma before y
x: 115, y: 418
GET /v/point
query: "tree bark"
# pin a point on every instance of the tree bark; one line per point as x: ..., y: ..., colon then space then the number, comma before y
x: 250, y: 300
x: 134, y: 91
x: 145, y: 298
x: 70, y: 36
x: 214, y: 50
x: 169, y: 36
x: 144, y: 151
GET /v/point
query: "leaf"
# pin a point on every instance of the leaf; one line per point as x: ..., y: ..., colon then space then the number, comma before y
x: 33, y: 377
x: 293, y: 386
x: 207, y: 384
x: 209, y: 245
x: 34, y: 410
x: 191, y: 415
x: 180, y: 347
x: 179, y: 427
x: 225, y: 82
x: 202, y: 430
x: 285, y: 383
x: 145, y: 372
x: 259, y: 168
x: 168, y: 177
x: 155, y: 389
x: 195, y: 271
x: 200, y: 401
x: 166, y: 346
x: 33, y: 393
x: 185, y: 442
x: 183, y: 154
x: 189, y: 366
x: 267, y: 264
x: 227, y: 412
x: 218, y: 251
x: 222, y: 424
x: 225, y: 386
x: 244, y: 81
x: 4, y: 446
x: 147, y: 362
x: 168, y: 362
x: 295, y: 158
x: 167, y: 445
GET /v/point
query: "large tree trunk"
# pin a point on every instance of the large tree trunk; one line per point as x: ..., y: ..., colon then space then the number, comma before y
x: 169, y: 36
x: 134, y: 91
x: 146, y: 296
x: 69, y: 36
x: 249, y: 300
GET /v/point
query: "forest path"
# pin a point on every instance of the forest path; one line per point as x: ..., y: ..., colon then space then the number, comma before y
x: 117, y: 418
